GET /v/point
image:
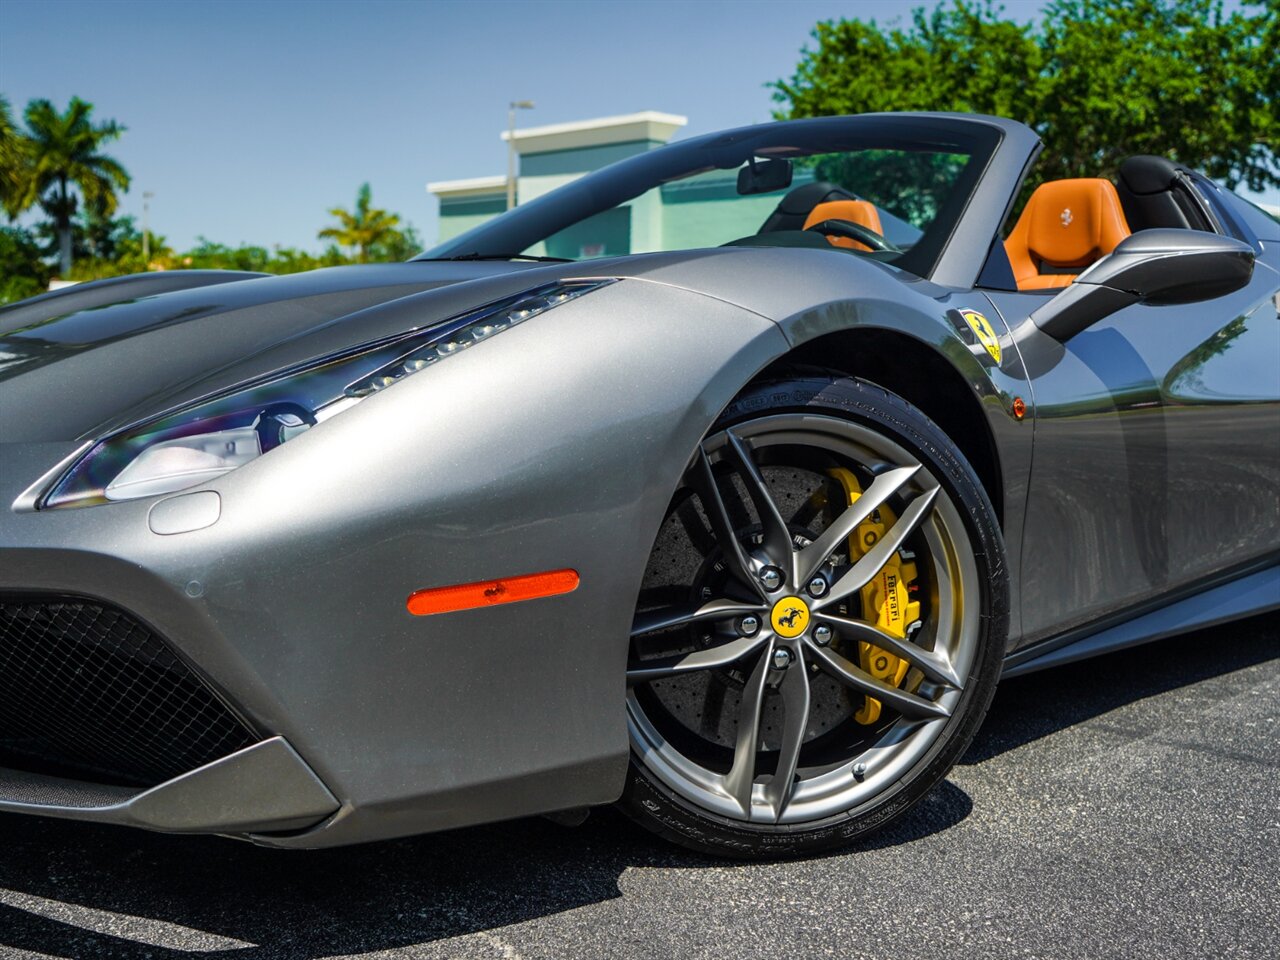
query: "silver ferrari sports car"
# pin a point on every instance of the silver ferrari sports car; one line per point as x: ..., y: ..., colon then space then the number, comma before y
x: 722, y: 484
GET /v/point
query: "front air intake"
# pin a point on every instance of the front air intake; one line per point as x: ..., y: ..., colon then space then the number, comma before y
x: 90, y: 693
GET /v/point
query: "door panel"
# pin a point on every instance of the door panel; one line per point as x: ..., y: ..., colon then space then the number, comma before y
x: 1224, y: 423
x: 1157, y: 454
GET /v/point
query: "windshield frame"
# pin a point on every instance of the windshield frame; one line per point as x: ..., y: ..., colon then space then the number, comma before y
x: 978, y: 137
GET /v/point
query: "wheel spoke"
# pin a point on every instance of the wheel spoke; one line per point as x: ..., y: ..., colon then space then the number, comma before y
x: 664, y: 618
x: 882, y: 488
x: 931, y: 665
x: 862, y: 572
x: 722, y: 655
x: 795, y: 721
x: 721, y: 526
x: 738, y: 781
x: 776, y: 536
x: 908, y: 704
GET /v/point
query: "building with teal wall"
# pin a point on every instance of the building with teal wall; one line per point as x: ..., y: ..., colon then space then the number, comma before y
x: 689, y: 213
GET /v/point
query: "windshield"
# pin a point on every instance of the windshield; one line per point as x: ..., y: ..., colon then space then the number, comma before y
x: 891, y: 188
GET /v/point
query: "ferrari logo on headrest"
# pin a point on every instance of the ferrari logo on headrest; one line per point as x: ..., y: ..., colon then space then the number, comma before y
x: 1066, y: 217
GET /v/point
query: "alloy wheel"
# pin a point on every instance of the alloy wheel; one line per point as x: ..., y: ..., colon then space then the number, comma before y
x: 755, y: 646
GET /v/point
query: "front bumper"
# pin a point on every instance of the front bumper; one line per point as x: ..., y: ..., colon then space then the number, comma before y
x: 372, y: 723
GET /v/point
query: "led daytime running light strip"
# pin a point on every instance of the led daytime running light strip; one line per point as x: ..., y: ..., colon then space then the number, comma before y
x: 471, y: 329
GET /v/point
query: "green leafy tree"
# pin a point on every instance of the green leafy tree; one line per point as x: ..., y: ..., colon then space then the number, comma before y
x: 1098, y: 80
x: 911, y: 186
x: 22, y: 273
x: 364, y: 229
x: 65, y: 154
x: 14, y: 159
x: 127, y: 257
x: 397, y: 245
x: 293, y: 260
x: 207, y: 255
x: 105, y: 237
x: 94, y: 236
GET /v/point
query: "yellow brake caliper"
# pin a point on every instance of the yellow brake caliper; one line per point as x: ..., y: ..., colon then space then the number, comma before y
x: 886, y: 598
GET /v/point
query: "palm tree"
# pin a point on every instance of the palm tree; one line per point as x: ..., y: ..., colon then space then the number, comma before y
x: 64, y: 153
x: 362, y: 230
x: 13, y: 159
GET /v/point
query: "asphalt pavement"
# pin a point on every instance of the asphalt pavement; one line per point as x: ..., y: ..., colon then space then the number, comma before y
x: 1125, y: 807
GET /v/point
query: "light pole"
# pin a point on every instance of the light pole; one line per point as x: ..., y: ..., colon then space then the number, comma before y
x: 511, y: 147
x: 146, y: 229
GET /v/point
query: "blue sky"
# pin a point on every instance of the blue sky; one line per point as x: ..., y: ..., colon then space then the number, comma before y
x: 248, y: 120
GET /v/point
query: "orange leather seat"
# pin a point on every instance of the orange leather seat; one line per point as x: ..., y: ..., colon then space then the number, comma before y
x: 861, y: 212
x: 1066, y: 224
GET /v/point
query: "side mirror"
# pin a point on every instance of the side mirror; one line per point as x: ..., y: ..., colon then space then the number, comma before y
x: 1151, y: 266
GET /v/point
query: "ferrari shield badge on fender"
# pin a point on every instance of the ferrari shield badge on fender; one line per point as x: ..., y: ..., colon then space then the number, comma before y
x: 981, y: 328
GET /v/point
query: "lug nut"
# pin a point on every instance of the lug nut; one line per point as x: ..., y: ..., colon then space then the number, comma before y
x: 771, y: 578
x: 822, y: 634
x: 749, y: 626
x: 817, y: 587
x: 782, y: 658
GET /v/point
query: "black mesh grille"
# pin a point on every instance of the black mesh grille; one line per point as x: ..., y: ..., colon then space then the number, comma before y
x: 87, y: 691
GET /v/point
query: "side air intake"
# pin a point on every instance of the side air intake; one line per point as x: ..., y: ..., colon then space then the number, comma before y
x: 90, y: 693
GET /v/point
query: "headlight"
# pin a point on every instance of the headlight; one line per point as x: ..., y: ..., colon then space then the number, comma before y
x: 214, y: 436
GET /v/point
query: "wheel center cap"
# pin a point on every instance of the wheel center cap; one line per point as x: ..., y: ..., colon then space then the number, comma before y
x: 790, y: 617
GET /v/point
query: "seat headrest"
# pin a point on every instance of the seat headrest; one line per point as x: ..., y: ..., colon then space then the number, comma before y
x: 1147, y: 174
x: 861, y: 212
x: 1072, y: 223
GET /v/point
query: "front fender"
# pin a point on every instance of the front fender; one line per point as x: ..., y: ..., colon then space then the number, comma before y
x: 557, y: 444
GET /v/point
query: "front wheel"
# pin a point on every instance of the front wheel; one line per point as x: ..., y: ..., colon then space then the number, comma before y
x: 820, y: 627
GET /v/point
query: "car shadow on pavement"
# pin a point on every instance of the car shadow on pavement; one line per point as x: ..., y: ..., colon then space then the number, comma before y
x: 83, y: 890
x: 251, y: 902
x: 80, y: 890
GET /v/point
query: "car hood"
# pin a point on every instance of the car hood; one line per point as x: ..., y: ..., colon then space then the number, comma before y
x: 73, y: 367
x: 66, y: 375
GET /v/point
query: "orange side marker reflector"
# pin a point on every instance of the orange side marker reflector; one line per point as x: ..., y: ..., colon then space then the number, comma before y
x: 488, y: 593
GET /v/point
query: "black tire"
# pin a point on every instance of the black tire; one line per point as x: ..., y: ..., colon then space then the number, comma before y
x: 658, y: 807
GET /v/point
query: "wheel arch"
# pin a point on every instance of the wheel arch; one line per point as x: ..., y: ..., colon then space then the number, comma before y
x: 915, y: 371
